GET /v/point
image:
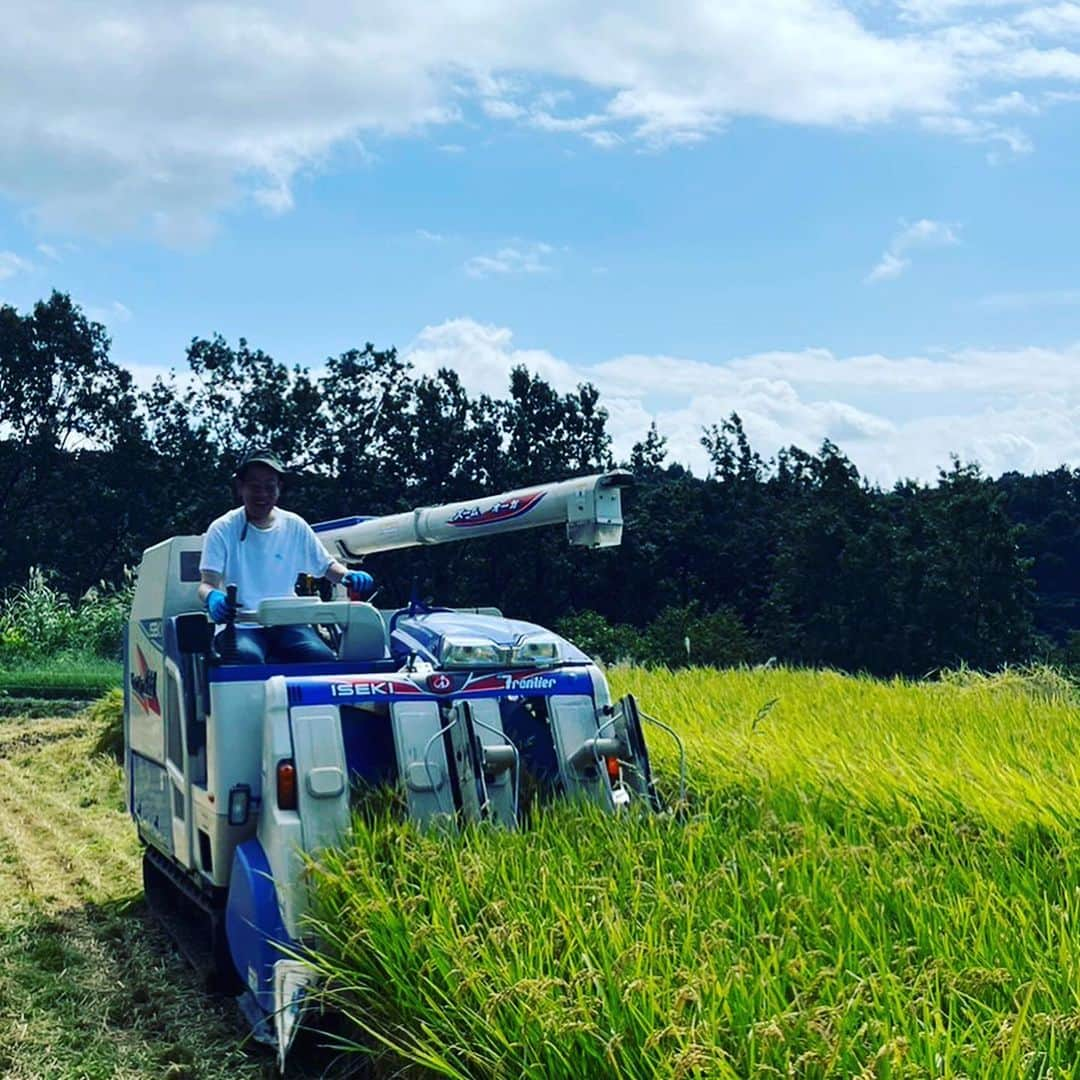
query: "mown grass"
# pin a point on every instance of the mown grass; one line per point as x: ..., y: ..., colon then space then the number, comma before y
x: 90, y: 988
x: 869, y: 879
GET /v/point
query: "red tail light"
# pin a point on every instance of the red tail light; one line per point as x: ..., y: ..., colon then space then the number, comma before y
x: 613, y: 768
x: 286, y: 785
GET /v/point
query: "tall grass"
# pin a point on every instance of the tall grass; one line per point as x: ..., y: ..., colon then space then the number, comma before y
x: 871, y: 878
x: 42, y: 631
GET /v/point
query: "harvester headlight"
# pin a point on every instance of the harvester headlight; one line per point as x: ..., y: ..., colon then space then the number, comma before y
x: 460, y: 652
x: 239, y: 804
x: 537, y: 650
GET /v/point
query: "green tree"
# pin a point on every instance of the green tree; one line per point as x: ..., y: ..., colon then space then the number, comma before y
x: 829, y: 600
x: 647, y: 457
x: 967, y: 586
x: 62, y: 401
x: 242, y: 397
x: 1047, y: 507
x: 365, y: 397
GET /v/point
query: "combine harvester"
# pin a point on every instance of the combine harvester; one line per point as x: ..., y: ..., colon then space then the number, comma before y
x: 237, y: 773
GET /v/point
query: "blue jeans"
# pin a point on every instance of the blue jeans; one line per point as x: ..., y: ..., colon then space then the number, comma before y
x: 276, y: 645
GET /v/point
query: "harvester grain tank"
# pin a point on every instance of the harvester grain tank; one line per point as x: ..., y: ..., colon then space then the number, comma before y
x: 236, y: 773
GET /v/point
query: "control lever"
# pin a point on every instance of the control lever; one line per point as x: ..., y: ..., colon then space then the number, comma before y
x: 227, y: 648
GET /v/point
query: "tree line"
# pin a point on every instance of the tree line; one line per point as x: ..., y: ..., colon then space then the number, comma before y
x: 796, y: 557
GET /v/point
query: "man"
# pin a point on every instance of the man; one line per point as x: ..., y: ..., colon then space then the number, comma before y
x: 261, y: 548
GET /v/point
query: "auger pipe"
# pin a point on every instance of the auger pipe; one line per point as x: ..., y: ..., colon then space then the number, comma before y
x: 589, y: 506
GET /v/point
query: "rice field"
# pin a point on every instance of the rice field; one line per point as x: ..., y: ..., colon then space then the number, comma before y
x: 867, y: 879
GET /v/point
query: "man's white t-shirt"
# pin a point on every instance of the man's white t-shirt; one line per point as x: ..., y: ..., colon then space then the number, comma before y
x: 265, y: 563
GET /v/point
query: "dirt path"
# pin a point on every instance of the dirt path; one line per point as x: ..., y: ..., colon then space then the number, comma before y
x: 89, y: 985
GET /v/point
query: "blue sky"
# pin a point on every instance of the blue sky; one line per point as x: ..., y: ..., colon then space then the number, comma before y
x: 848, y: 221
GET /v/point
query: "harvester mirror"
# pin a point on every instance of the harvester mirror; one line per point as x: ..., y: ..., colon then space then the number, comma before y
x: 194, y: 633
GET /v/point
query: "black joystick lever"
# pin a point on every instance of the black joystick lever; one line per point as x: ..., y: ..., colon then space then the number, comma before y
x: 227, y: 645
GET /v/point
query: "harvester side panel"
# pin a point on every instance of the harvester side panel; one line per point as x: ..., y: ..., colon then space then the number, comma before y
x: 146, y: 683
x: 233, y: 732
x: 167, y: 585
x: 151, y: 801
x: 464, y: 767
x: 321, y: 773
x: 422, y: 758
x: 573, y: 723
x: 175, y: 764
x: 499, y: 784
x: 279, y: 831
x: 168, y: 582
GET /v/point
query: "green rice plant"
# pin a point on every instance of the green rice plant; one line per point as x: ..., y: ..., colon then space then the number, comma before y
x: 869, y: 879
x: 66, y: 675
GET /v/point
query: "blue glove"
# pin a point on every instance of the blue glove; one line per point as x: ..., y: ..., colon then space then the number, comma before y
x: 217, y: 604
x: 359, y: 583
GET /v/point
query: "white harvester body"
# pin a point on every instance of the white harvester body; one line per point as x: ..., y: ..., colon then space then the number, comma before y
x: 237, y: 773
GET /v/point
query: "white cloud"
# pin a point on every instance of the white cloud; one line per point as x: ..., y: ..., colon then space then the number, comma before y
x: 935, y: 11
x: 890, y: 266
x: 577, y: 124
x: 49, y: 252
x: 979, y: 131
x: 923, y: 233
x: 1013, y: 103
x: 895, y: 417
x: 160, y: 115
x: 431, y: 237
x: 502, y: 110
x: 11, y: 264
x: 1063, y: 19
x: 1058, y: 63
x: 605, y: 140
x: 277, y: 197
x: 1023, y: 301
x: 111, y: 315
x: 926, y: 233
x: 1015, y: 141
x: 510, y: 260
x: 484, y: 356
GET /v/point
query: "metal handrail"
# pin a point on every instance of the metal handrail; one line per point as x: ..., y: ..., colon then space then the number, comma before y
x: 427, y: 764
x: 517, y: 756
x: 678, y: 742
